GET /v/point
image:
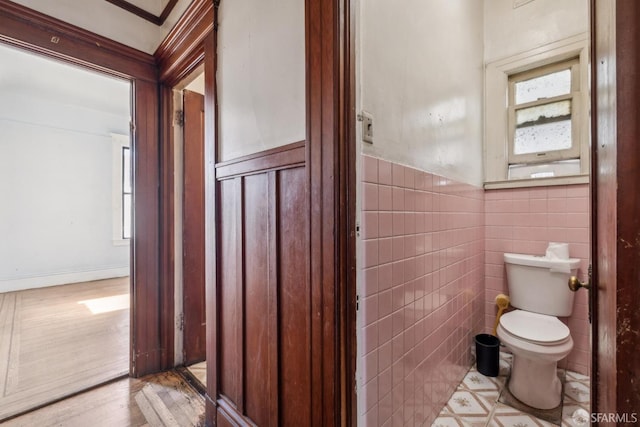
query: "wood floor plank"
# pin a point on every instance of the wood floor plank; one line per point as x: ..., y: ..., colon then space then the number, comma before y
x: 63, y: 340
x: 158, y: 400
x: 199, y: 370
x: 7, y: 312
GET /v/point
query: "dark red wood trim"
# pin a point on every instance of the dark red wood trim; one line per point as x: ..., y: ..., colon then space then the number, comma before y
x: 185, y: 42
x: 167, y: 10
x: 347, y: 216
x: 272, y: 289
x: 324, y: 50
x: 148, y: 338
x: 42, y: 34
x: 139, y: 12
x: 176, y: 65
x: 628, y: 206
x: 287, y: 156
x: 240, y: 287
x: 167, y: 224
x: 211, y: 225
x: 616, y: 59
x: 595, y: 315
x: 231, y: 414
x: 144, y: 14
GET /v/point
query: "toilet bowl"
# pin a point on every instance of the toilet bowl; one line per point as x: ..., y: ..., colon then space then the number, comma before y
x: 537, y: 342
x: 537, y: 338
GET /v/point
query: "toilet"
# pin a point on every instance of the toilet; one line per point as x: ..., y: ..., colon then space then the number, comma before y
x: 539, y: 291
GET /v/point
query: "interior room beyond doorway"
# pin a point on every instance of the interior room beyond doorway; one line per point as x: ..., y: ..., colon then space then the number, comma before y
x: 65, y: 222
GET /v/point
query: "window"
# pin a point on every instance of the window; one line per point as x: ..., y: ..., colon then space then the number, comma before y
x: 121, y: 190
x: 126, y: 193
x: 537, y: 117
x: 543, y: 116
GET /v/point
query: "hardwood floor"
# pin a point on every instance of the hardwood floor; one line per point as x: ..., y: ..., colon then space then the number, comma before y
x: 199, y: 371
x: 158, y: 400
x: 58, y: 341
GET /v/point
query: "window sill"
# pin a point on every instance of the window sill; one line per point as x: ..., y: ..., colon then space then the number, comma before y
x: 537, y: 182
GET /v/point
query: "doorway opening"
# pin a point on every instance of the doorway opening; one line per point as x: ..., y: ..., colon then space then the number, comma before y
x: 66, y: 222
x: 189, y: 208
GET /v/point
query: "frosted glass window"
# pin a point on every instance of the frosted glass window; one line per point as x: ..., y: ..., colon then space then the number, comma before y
x: 543, y: 138
x: 543, y: 128
x: 547, y: 86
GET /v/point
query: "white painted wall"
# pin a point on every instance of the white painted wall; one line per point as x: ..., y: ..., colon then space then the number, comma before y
x: 111, y: 21
x: 261, y: 75
x: 421, y: 77
x: 56, y: 173
x: 509, y: 31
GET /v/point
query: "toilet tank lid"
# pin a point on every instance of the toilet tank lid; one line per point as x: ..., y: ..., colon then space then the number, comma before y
x: 540, y: 261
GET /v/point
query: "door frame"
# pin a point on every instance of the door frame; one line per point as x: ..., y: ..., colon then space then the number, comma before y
x: 615, y: 36
x: 331, y: 157
x: 182, y: 52
x: 35, y: 32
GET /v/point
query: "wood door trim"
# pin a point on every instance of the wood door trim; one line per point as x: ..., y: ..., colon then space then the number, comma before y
x: 212, y: 200
x: 616, y: 370
x: 183, y: 48
x: 593, y: 194
x: 290, y: 155
x: 42, y: 34
x: 182, y: 51
x: 628, y: 205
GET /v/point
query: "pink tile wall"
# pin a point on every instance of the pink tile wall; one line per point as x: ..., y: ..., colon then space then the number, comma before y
x: 421, y: 291
x: 525, y: 221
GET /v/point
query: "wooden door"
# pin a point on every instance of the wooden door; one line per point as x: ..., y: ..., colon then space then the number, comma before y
x: 194, y: 332
x: 616, y: 204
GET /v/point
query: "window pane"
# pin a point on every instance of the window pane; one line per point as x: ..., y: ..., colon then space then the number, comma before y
x: 126, y: 170
x: 543, y: 128
x: 547, y: 86
x: 542, y: 138
x: 126, y: 216
x: 541, y: 114
x: 545, y: 170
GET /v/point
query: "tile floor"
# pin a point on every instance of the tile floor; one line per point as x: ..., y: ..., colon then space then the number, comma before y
x: 475, y: 402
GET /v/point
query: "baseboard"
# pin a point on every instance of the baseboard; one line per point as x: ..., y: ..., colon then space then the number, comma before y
x: 23, y: 283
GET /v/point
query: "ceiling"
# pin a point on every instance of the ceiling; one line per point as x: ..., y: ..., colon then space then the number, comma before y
x: 141, y: 24
x: 24, y: 75
x: 154, y: 11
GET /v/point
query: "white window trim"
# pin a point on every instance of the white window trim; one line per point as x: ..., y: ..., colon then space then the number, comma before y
x: 118, y: 143
x: 496, y: 148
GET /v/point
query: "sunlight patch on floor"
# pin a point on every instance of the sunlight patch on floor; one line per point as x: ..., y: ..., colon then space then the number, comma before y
x: 107, y: 304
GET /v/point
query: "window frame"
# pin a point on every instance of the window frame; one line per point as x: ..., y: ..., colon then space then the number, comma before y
x: 124, y: 191
x: 500, y: 121
x: 119, y: 142
x: 574, y: 96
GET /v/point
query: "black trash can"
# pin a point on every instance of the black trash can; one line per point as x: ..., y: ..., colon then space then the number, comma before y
x: 488, y: 355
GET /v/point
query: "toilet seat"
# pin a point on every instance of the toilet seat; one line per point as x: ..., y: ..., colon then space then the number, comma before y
x: 535, y: 328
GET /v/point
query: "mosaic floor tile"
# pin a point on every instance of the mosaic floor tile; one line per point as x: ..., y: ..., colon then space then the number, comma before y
x: 449, y: 420
x: 506, y: 416
x: 475, y: 402
x: 577, y: 391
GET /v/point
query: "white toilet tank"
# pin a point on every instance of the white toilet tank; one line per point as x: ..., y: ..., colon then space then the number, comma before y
x: 540, y: 284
